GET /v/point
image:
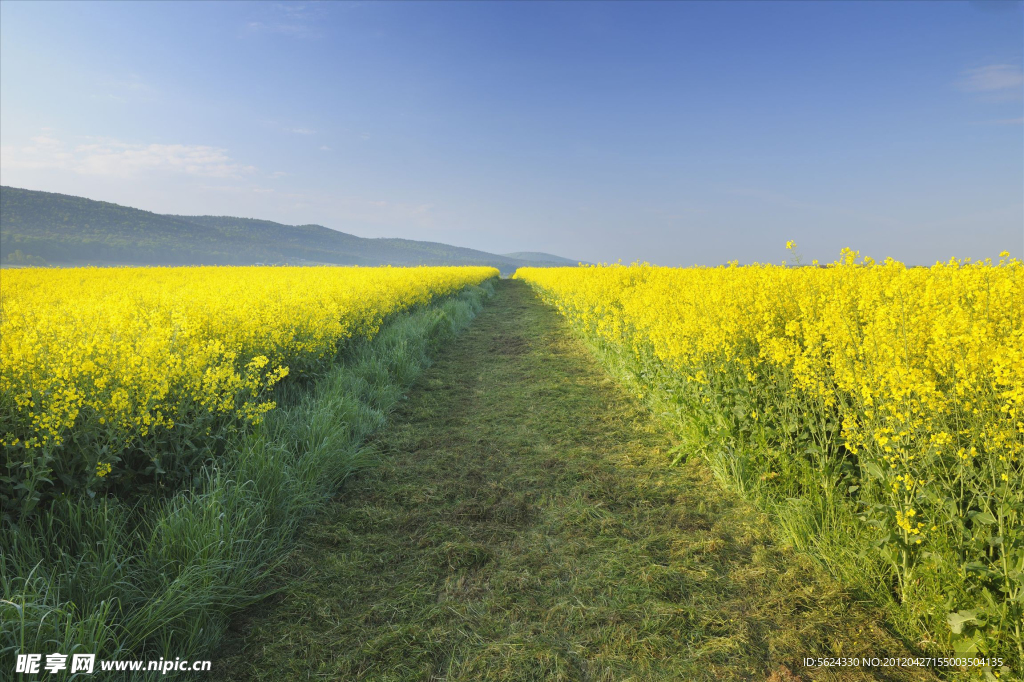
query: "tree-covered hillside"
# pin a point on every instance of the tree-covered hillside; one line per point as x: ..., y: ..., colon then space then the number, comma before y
x: 43, y: 227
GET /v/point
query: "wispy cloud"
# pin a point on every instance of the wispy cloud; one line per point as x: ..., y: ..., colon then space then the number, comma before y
x: 46, y: 141
x: 233, y: 189
x: 301, y: 131
x: 124, y: 89
x: 113, y: 158
x: 994, y: 79
x: 341, y: 212
x: 676, y: 213
x: 297, y: 20
x: 291, y: 9
x: 787, y: 202
x: 131, y: 81
x: 1004, y: 122
x: 283, y: 28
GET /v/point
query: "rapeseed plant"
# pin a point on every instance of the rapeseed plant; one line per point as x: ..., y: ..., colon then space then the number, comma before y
x: 894, y: 392
x: 98, y: 366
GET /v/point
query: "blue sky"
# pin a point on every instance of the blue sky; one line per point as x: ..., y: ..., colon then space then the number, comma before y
x: 676, y: 133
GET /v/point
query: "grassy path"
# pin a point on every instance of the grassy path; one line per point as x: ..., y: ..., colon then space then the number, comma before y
x: 523, y: 525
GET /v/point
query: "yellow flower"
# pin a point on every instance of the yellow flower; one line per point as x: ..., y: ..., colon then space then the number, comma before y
x: 919, y: 367
x: 123, y: 351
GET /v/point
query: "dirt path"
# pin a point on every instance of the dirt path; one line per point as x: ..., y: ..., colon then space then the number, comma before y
x: 523, y: 525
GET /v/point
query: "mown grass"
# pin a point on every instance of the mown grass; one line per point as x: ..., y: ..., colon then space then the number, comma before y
x: 148, y: 579
x: 522, y: 524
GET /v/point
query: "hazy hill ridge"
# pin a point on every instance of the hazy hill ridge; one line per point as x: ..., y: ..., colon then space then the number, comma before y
x: 63, y: 229
x: 539, y: 257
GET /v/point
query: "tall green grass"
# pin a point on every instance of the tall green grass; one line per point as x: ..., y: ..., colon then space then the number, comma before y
x: 161, y: 576
x: 809, y: 498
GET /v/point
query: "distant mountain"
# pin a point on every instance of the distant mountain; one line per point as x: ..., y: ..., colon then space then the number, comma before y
x: 58, y: 229
x: 538, y: 257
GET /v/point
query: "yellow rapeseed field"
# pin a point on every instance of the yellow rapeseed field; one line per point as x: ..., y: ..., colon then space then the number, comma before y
x: 905, y: 386
x: 122, y: 355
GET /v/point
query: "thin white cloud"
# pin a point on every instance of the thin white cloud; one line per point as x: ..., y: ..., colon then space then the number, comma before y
x: 289, y: 29
x: 296, y: 20
x: 301, y: 131
x: 114, y: 158
x: 1000, y: 122
x: 684, y: 212
x: 124, y: 89
x: 46, y: 142
x: 991, y: 79
x: 233, y: 189
x: 786, y: 202
x: 348, y: 212
x: 131, y: 81
x: 295, y: 8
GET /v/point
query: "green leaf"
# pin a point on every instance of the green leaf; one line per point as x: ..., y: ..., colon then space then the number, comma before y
x: 980, y: 569
x: 968, y: 645
x: 983, y: 517
x: 874, y: 470
x: 958, y: 619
